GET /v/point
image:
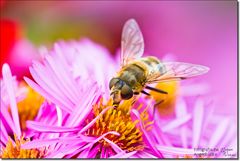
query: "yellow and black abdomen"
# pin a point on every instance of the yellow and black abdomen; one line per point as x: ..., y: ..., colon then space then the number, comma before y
x: 150, y: 61
x: 135, y: 73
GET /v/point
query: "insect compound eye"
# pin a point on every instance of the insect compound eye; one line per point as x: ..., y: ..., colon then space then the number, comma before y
x: 126, y: 92
x: 112, y: 82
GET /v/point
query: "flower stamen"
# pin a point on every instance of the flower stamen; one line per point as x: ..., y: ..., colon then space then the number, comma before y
x: 118, y: 120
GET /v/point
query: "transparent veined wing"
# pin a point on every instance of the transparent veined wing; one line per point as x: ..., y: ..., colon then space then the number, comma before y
x: 170, y: 71
x: 132, y: 45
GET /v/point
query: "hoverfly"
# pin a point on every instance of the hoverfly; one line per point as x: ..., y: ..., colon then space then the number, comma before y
x: 137, y: 72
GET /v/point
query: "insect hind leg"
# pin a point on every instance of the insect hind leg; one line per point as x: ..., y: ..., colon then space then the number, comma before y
x: 155, y: 106
x: 156, y: 90
x: 144, y: 92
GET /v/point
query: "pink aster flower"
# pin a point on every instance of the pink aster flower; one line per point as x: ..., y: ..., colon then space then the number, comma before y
x: 89, y: 127
x: 78, y: 58
x: 19, y: 104
x: 8, y: 90
x: 13, y: 97
x: 196, y: 130
x: 79, y: 114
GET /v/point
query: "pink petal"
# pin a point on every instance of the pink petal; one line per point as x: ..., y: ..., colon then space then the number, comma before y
x: 103, y: 151
x: 86, y: 138
x: 115, y: 147
x: 63, y: 77
x: 75, y: 151
x: 108, y: 152
x: 72, y: 84
x: 181, y: 110
x: 69, y: 149
x: 51, y: 84
x: 176, y: 123
x: 157, y: 132
x: 94, y: 120
x: 174, y: 150
x: 148, y: 138
x: 105, y: 134
x: 39, y: 72
x: 5, y: 115
x: 99, y: 138
x: 47, y: 142
x: 85, y: 106
x: 46, y: 95
x: 4, y: 135
x: 199, y: 89
x: 94, y: 152
x: 7, y: 79
x: 230, y: 135
x: 143, y: 154
x: 218, y: 133
x: 88, y: 146
x: 183, y: 133
x: 46, y: 109
x: 38, y: 126
x: 84, y: 153
x: 48, y: 85
x: 124, y: 155
x: 59, y: 115
x: 207, y: 116
x: 197, y: 122
x: 160, y: 137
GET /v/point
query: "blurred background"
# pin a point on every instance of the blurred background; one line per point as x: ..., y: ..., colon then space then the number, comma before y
x: 202, y: 32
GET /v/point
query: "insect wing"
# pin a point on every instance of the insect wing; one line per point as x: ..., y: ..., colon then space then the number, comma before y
x: 132, y: 45
x: 170, y: 71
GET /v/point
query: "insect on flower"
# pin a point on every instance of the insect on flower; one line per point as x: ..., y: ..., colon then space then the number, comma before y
x: 138, y: 72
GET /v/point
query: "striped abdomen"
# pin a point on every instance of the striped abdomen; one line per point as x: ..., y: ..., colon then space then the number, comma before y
x: 135, y: 74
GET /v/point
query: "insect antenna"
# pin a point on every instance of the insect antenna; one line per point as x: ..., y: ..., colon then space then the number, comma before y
x: 156, y: 90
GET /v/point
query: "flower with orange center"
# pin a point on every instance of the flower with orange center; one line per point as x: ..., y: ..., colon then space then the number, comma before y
x: 29, y: 103
x: 91, y: 129
x: 29, y: 106
x: 118, y: 120
x: 14, y: 150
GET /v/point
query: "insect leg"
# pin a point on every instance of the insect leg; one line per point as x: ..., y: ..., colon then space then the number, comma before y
x: 158, y: 103
x: 136, y: 93
x: 145, y: 93
x: 115, y: 105
x: 155, y: 106
x: 156, y: 90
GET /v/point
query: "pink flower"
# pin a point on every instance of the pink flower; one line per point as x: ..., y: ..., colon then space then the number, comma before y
x: 8, y: 90
x: 89, y: 127
x: 76, y: 96
x: 13, y: 118
x: 12, y: 134
x: 196, y: 129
